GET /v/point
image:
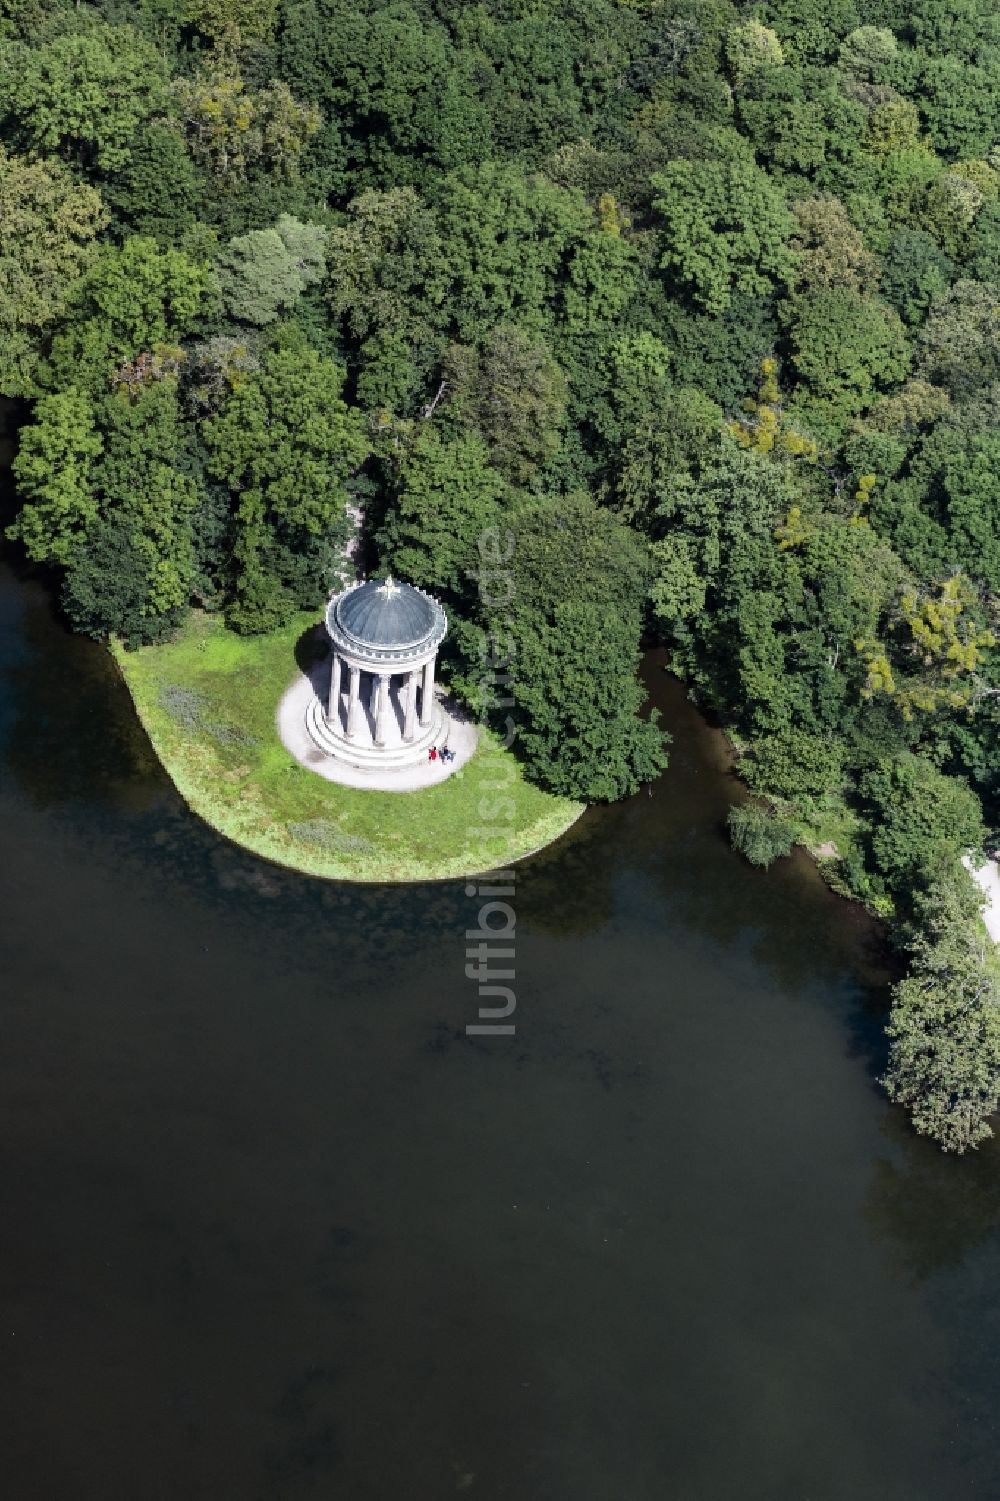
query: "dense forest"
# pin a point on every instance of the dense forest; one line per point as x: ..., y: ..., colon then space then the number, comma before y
x: 699, y: 301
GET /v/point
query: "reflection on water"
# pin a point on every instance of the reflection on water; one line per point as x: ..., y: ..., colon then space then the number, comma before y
x: 276, y: 1228
x: 930, y: 1218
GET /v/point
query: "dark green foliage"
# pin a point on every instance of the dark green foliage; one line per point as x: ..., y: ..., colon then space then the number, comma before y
x: 946, y: 508
x: 106, y: 590
x: 959, y: 347
x: 159, y: 191
x: 846, y: 346
x: 801, y: 122
x: 920, y: 820
x: 722, y: 355
x: 914, y: 273
x: 447, y: 496
x: 577, y: 702
x: 133, y: 299
x: 983, y: 246
x: 561, y: 586
x: 957, y: 98
x: 514, y: 393
x: 811, y: 31
x: 286, y: 444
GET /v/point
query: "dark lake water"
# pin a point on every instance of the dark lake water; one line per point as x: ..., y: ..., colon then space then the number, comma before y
x: 275, y: 1227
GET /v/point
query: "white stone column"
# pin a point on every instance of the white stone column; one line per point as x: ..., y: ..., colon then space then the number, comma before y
x: 333, y: 709
x: 427, y: 695
x: 410, y: 724
x: 382, y: 712
x: 354, y: 704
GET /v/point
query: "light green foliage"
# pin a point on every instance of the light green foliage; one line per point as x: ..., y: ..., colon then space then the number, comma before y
x: 207, y: 700
x: 760, y: 835
x: 146, y: 294
x: 944, y: 1026
x: 893, y: 125
x: 601, y: 281
x: 724, y: 229
x: 829, y: 251
x: 749, y: 47
x: 959, y: 346
x: 950, y: 207
x: 232, y: 23
x: 868, y: 51
x: 54, y: 470
x: 48, y: 226
x: 82, y: 95
x: 263, y: 273
x: 795, y: 764
x: 232, y: 131
x: 286, y: 429
x: 916, y: 404
x: 132, y: 298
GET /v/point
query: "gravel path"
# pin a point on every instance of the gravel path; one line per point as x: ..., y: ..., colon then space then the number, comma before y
x: 987, y: 878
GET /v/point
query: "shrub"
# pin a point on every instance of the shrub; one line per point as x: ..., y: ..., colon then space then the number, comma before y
x: 760, y: 835
x: 795, y: 763
x: 919, y: 818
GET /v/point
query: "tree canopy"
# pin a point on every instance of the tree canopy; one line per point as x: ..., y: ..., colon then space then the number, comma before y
x: 694, y: 305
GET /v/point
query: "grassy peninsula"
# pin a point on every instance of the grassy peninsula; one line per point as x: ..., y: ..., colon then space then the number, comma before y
x: 207, y: 700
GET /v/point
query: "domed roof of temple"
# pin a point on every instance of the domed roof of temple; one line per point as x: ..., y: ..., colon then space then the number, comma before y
x: 383, y: 618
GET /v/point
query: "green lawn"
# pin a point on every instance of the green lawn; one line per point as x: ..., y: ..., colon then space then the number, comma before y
x: 208, y: 701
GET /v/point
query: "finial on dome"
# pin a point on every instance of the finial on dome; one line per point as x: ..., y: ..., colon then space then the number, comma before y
x: 390, y: 586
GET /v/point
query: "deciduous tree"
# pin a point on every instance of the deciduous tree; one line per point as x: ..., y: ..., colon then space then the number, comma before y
x: 49, y: 223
